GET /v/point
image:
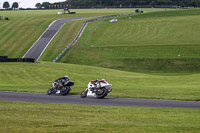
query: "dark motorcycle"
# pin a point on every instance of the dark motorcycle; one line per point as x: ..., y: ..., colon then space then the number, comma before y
x: 60, y: 87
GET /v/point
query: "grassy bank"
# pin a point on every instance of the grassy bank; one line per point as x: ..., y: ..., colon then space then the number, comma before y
x: 158, y: 53
x: 63, y: 39
x: 37, y: 117
x: 23, y: 28
x: 157, y: 41
x: 38, y: 77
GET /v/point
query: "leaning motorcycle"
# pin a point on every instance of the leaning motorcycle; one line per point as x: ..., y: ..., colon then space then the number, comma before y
x: 60, y: 87
x: 98, y: 88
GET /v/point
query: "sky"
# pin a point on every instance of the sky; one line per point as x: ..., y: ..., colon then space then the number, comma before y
x: 27, y: 3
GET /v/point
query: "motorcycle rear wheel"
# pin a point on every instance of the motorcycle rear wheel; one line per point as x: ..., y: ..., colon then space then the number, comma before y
x: 101, y: 94
x: 65, y: 90
x: 84, y: 93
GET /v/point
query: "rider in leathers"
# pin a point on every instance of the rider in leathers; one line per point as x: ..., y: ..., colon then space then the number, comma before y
x: 62, y: 79
x: 95, y: 82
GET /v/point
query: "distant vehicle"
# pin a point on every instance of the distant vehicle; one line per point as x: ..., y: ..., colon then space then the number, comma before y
x: 113, y: 20
x: 138, y: 11
x: 61, y: 86
x: 69, y: 12
x: 60, y: 13
x: 98, y: 88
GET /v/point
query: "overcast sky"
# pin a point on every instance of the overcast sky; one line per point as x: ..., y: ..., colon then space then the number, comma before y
x: 27, y: 3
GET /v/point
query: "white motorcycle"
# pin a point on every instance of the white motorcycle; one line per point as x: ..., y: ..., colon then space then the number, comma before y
x: 98, y: 88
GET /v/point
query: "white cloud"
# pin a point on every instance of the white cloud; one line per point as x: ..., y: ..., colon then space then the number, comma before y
x: 28, y: 3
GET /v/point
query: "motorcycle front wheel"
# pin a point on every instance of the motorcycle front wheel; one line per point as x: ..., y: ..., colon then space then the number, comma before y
x: 84, y: 93
x: 65, y: 90
x: 49, y: 92
x: 102, y: 93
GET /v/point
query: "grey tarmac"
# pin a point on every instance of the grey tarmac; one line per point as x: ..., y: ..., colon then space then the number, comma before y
x: 108, y: 101
x: 40, y: 45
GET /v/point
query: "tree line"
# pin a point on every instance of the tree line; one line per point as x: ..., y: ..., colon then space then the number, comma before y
x: 6, y: 5
x: 108, y: 3
x: 118, y: 3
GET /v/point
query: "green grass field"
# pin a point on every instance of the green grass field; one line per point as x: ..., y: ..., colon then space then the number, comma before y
x: 147, y: 43
x: 37, y: 117
x: 25, y: 27
x: 164, y: 41
x: 154, y: 55
x: 38, y: 77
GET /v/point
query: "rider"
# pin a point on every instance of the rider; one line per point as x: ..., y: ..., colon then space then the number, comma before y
x: 95, y: 82
x: 66, y: 77
x: 62, y: 79
x: 102, y: 80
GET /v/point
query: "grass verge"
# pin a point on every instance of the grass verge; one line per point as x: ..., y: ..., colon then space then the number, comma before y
x: 38, y: 77
x: 36, y: 117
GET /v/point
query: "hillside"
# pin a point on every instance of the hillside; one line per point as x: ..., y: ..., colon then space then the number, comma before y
x: 165, y: 41
x: 23, y: 28
x: 144, y: 43
x: 38, y: 77
x: 150, y: 56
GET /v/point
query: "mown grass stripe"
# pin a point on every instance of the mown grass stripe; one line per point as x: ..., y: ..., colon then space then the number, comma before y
x: 59, y: 44
x: 160, y: 38
x: 37, y: 117
x: 38, y: 77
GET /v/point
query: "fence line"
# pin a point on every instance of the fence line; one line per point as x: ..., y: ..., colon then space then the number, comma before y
x: 6, y: 59
x: 81, y: 31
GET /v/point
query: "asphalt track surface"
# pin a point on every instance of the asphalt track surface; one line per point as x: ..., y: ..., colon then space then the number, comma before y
x: 40, y: 45
x: 108, y: 101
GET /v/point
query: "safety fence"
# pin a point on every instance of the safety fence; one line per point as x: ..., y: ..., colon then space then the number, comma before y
x: 81, y: 31
x: 6, y: 59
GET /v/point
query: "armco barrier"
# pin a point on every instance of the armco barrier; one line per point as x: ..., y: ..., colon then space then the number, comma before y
x: 72, y: 43
x: 3, y: 57
x: 81, y: 31
x: 16, y: 59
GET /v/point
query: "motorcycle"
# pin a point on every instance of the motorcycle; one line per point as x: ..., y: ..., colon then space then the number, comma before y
x: 98, y: 88
x: 60, y: 87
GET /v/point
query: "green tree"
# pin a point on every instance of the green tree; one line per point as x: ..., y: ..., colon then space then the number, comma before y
x: 195, y: 3
x: 38, y: 5
x: 45, y: 4
x: 15, y: 5
x: 164, y: 2
x: 142, y: 2
x: 103, y: 3
x: 6, y: 5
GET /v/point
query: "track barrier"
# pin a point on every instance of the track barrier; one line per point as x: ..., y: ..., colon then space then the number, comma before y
x: 6, y: 59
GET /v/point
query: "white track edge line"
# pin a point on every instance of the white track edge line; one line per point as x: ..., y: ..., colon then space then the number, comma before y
x: 40, y: 37
x: 49, y: 42
x: 57, y: 33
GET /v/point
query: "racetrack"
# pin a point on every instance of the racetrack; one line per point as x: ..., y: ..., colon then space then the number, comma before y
x: 41, y: 44
x: 108, y: 101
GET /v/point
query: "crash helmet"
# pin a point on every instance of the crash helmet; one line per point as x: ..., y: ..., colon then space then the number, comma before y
x: 66, y: 76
